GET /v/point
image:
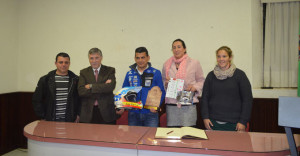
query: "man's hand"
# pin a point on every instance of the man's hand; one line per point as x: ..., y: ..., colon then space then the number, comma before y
x: 153, y: 110
x: 108, y: 81
x: 120, y: 111
x: 87, y: 86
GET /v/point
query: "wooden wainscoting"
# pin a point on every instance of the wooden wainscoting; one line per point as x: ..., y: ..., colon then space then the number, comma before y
x: 16, y: 111
x: 264, y: 117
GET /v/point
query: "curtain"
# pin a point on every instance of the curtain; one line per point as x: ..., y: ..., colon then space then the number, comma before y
x: 281, y: 45
x: 275, y: 1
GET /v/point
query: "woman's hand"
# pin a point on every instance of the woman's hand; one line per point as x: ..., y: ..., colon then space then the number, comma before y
x: 168, y: 78
x: 77, y: 119
x: 167, y: 81
x: 191, y: 88
x: 207, y: 124
x: 240, y: 127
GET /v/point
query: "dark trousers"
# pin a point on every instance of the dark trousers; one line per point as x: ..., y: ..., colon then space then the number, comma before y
x: 97, y: 117
x: 223, y: 127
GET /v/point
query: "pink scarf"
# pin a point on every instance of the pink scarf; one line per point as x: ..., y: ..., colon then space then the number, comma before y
x: 181, y: 73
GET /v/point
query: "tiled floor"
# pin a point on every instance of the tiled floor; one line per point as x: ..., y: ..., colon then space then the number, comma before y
x: 17, y: 152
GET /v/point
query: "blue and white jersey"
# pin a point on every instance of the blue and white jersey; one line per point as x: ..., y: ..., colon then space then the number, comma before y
x: 151, y: 77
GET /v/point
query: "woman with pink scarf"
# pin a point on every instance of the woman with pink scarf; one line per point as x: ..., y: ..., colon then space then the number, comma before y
x: 181, y: 66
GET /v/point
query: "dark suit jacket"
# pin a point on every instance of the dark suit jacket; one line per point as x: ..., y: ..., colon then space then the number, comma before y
x: 100, y: 91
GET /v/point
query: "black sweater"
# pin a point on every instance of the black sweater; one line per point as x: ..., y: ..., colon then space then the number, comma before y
x: 228, y: 100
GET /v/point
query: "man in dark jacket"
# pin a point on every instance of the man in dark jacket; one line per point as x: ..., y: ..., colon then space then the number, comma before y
x: 56, y: 96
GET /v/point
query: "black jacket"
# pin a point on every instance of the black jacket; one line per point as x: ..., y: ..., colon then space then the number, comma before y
x: 43, y: 99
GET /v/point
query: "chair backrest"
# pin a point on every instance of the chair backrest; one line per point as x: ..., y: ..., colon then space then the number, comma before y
x: 288, y: 112
x: 288, y: 117
x: 247, y: 128
x: 163, y: 120
x: 123, y: 120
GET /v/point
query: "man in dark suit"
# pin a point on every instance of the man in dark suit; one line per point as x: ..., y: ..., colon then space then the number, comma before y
x: 95, y: 87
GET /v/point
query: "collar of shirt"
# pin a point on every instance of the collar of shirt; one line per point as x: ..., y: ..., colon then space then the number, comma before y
x: 97, y: 69
x: 141, y: 73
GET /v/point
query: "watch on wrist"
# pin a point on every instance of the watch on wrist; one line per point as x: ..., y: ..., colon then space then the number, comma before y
x: 90, y: 85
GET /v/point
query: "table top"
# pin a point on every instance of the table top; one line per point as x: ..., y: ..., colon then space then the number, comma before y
x: 220, y: 142
x: 121, y: 136
x: 143, y: 138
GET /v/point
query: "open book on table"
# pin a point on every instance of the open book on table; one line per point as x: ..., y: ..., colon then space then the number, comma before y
x: 180, y: 133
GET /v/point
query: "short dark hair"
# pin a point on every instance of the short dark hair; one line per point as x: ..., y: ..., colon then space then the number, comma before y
x: 141, y: 50
x: 180, y: 40
x: 95, y: 51
x: 62, y: 54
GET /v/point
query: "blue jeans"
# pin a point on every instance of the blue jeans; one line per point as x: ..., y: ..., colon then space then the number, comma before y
x: 138, y: 119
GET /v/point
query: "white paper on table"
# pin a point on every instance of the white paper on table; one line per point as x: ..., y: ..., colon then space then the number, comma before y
x: 174, y: 86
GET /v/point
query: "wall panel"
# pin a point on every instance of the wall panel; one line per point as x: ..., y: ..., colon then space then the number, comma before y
x: 16, y: 111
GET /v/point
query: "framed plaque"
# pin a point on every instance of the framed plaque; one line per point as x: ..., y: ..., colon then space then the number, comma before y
x: 153, y: 98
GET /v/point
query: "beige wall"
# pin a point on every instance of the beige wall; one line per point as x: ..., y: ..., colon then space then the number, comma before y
x: 8, y: 46
x: 117, y: 27
x: 257, y: 44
